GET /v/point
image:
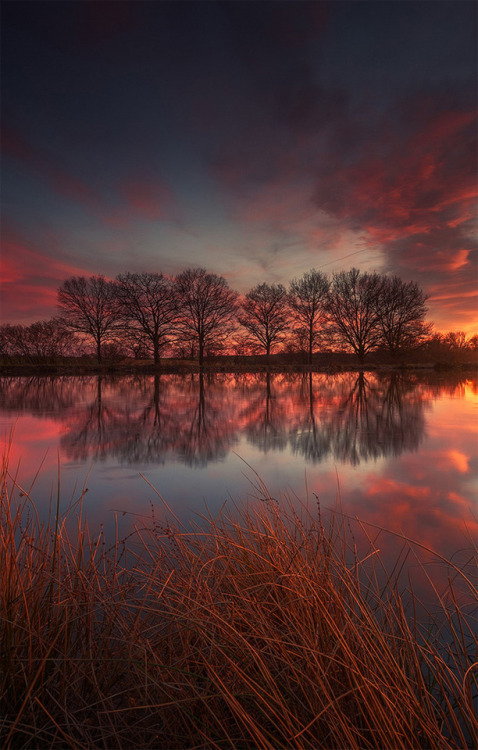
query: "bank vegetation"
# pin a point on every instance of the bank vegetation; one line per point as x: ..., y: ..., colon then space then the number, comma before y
x: 197, y: 318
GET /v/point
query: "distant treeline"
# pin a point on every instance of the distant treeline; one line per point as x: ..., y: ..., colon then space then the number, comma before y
x: 196, y: 315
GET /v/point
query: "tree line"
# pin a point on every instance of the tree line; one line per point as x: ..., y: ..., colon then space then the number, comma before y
x: 196, y: 314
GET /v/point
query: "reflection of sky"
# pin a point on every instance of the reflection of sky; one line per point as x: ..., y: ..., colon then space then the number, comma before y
x: 424, y: 489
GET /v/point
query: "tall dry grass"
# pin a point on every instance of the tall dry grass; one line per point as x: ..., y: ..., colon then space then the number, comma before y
x: 263, y: 630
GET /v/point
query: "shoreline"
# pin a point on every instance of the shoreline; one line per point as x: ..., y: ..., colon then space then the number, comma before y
x: 185, y: 367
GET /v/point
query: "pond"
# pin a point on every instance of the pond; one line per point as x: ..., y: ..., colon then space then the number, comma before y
x: 397, y: 451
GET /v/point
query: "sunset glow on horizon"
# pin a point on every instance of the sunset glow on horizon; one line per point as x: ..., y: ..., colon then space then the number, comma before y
x: 257, y: 140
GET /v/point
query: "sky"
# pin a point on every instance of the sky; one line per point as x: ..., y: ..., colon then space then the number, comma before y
x: 255, y: 139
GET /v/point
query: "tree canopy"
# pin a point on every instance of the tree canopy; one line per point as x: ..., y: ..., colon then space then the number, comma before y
x: 89, y: 306
x: 205, y: 309
x: 265, y: 315
x: 196, y: 314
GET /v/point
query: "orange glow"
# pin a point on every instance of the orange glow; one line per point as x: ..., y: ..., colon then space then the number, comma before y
x: 458, y: 460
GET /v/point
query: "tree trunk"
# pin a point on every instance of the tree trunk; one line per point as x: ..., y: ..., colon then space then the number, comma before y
x: 156, y: 350
x: 201, y: 353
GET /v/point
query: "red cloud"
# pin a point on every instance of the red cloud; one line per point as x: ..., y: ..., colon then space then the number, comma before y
x: 30, y: 279
x: 408, y: 190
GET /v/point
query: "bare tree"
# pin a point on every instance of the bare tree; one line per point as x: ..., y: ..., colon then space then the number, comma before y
x: 88, y: 306
x: 352, y: 309
x: 265, y: 315
x: 146, y: 307
x: 7, y: 340
x: 206, y: 309
x: 43, y: 340
x: 455, y: 340
x: 307, y: 298
x: 401, y: 312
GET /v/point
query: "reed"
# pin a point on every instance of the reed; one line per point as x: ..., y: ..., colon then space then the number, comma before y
x: 264, y: 629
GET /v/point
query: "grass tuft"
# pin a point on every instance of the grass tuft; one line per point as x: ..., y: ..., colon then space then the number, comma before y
x: 260, y: 630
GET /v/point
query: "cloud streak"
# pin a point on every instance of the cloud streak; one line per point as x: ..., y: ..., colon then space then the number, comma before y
x: 271, y: 128
x: 134, y: 199
x: 31, y: 275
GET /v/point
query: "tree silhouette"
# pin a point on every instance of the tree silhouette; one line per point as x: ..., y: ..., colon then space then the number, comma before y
x: 265, y: 315
x: 43, y: 340
x: 147, y: 307
x: 455, y: 339
x: 307, y: 298
x: 401, y: 312
x: 352, y: 309
x: 205, y: 307
x: 89, y: 307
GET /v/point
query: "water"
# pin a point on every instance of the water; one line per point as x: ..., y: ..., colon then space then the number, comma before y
x: 397, y: 451
x: 400, y: 451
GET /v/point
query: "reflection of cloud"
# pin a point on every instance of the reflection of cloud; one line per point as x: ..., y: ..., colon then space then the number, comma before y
x: 458, y: 460
x: 390, y: 488
x: 426, y: 494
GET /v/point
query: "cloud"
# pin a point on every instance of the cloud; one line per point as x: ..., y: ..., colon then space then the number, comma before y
x: 416, y: 197
x: 133, y: 199
x: 399, y: 178
x: 31, y: 275
x: 15, y: 145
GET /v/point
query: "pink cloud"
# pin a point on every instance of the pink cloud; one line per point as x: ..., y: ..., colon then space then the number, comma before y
x: 31, y: 276
x: 402, y: 188
x: 405, y: 193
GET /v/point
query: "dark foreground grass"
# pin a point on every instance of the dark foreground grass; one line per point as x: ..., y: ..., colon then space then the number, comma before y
x: 262, y: 631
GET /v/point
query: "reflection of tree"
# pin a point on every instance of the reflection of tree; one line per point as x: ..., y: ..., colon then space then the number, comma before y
x: 371, y: 417
x: 144, y: 421
x: 266, y: 416
x: 196, y: 419
x: 379, y: 418
x: 44, y: 396
x: 91, y: 429
x: 307, y: 436
x: 145, y: 432
x: 206, y: 432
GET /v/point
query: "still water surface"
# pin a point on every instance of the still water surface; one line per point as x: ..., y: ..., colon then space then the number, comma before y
x: 400, y: 450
